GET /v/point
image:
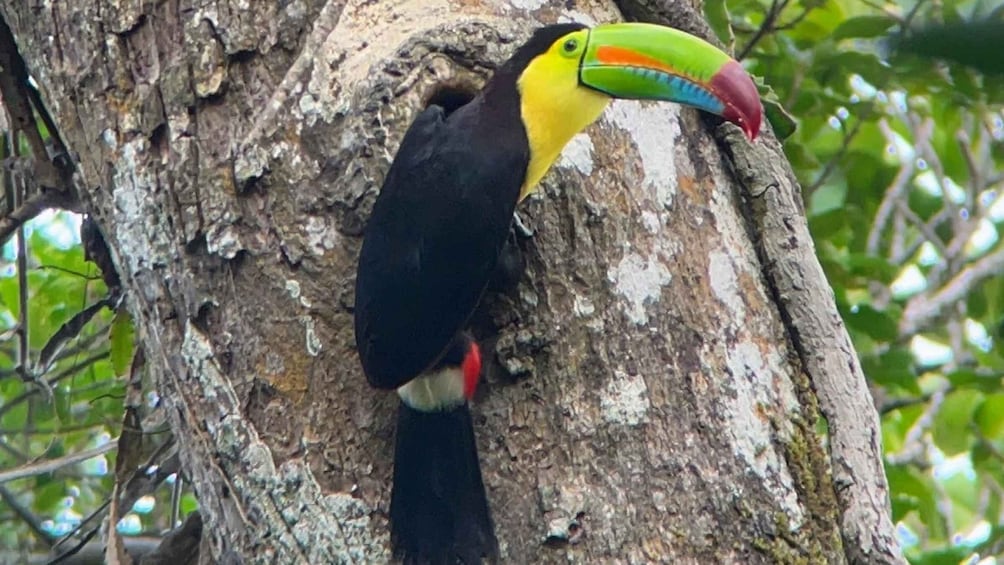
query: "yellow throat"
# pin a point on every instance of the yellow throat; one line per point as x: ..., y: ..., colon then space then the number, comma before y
x: 554, y: 108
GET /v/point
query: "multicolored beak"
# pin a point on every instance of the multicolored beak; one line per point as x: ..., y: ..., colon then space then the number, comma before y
x: 650, y: 62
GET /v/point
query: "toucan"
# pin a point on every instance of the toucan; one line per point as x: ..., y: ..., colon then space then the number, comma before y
x: 442, y: 217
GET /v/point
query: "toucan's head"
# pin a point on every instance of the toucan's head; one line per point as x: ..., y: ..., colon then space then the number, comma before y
x: 567, y: 73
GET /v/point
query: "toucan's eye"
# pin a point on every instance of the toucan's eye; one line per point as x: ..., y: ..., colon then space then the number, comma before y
x: 571, y: 45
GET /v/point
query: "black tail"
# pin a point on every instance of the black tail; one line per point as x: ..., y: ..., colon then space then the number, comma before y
x: 438, y: 510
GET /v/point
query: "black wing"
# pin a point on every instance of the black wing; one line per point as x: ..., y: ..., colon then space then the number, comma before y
x: 433, y: 239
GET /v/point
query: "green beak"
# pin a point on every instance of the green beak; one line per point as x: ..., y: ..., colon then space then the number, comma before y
x: 650, y: 62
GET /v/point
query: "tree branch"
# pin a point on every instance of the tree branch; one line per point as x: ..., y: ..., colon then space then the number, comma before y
x: 925, y: 230
x: 895, y: 190
x: 14, y: 90
x: 831, y: 165
x: 53, y: 464
x: 765, y: 28
x: 30, y: 208
x: 805, y: 300
x: 64, y: 374
x: 27, y: 516
x: 924, y: 308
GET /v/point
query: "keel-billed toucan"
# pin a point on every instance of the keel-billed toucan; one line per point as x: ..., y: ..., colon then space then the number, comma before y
x: 441, y: 219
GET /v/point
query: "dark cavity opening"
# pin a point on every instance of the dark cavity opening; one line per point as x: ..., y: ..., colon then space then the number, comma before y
x: 451, y: 96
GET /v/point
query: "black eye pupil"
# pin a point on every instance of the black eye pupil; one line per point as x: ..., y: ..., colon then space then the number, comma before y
x: 571, y: 44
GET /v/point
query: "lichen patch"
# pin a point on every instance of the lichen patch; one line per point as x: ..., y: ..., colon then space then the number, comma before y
x: 583, y: 306
x: 725, y: 285
x: 639, y: 280
x: 655, y: 129
x: 312, y: 340
x: 578, y: 154
x: 753, y: 374
x: 321, y: 234
x: 625, y: 400
x: 143, y: 241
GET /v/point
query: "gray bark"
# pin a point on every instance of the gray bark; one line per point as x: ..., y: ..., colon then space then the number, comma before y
x: 659, y: 374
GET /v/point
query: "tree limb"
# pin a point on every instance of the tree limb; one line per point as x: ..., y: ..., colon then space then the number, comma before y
x: 51, y: 465
x: 27, y: 516
x: 818, y: 334
x: 30, y: 208
x: 924, y: 308
x: 894, y: 192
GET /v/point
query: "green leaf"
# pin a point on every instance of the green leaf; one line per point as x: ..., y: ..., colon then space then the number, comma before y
x: 121, y: 337
x: 979, y: 380
x: 977, y: 44
x: 874, y: 323
x: 62, y: 398
x: 893, y: 368
x: 820, y: 22
x: 990, y: 416
x: 872, y: 267
x: 780, y: 120
x: 863, y: 26
x: 951, y: 431
x: 897, y: 424
x: 837, y: 67
x: 946, y: 556
x: 913, y: 491
x: 48, y: 493
x: 717, y: 14
x: 827, y: 224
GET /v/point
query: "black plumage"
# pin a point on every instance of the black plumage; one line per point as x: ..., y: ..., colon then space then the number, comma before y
x: 431, y: 247
x: 439, y: 223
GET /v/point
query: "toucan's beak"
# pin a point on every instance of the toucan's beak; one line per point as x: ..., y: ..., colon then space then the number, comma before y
x: 650, y: 62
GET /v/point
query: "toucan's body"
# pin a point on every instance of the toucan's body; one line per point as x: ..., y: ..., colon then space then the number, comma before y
x: 441, y: 219
x: 433, y: 240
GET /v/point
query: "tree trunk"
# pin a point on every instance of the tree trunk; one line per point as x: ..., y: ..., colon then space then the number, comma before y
x: 662, y: 372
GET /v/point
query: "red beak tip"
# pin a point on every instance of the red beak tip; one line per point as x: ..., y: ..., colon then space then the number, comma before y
x: 733, y: 85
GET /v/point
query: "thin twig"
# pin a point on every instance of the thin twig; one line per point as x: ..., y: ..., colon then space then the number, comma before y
x: 54, y: 464
x: 931, y: 225
x: 906, y: 402
x: 14, y: 90
x: 924, y: 308
x: 98, y: 512
x: 975, y: 174
x: 765, y: 28
x: 892, y: 15
x: 962, y: 228
x: 794, y: 21
x: 179, y: 485
x: 64, y: 374
x: 13, y: 451
x: 69, y: 271
x: 27, y: 210
x: 895, y: 191
x: 147, y: 477
x: 831, y: 165
x: 35, y: 97
x: 926, y: 230
x: 906, y: 21
x: 898, y: 230
x: 70, y: 330
x: 913, y: 445
x: 73, y: 550
x: 27, y: 516
x: 109, y: 423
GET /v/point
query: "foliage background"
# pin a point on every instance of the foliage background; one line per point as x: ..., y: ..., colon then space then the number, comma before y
x: 899, y: 156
